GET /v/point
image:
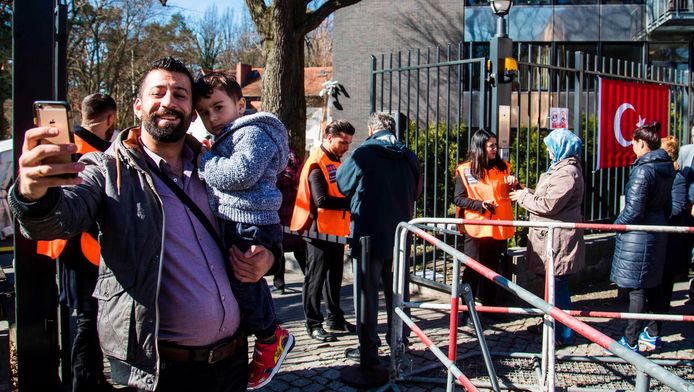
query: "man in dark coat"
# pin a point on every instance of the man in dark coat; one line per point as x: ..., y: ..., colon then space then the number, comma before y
x: 639, y: 256
x: 383, y: 178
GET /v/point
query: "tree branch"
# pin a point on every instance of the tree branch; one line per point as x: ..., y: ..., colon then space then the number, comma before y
x: 257, y: 9
x: 315, y: 18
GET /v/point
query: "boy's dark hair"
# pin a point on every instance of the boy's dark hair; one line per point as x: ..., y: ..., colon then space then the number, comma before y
x: 97, y: 106
x: 336, y: 127
x: 650, y: 134
x: 204, y: 85
x: 168, y: 64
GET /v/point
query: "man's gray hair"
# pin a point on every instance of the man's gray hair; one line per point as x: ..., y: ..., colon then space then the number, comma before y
x: 381, y: 121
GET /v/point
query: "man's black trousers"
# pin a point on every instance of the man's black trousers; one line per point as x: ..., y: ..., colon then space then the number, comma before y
x: 377, y: 271
x: 324, y: 265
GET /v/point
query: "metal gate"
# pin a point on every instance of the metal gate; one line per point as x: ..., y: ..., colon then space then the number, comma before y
x: 439, y: 98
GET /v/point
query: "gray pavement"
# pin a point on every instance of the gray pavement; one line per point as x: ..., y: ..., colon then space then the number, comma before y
x: 316, y: 366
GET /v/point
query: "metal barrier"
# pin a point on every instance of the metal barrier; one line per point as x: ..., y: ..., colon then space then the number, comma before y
x: 440, y: 96
x: 645, y: 367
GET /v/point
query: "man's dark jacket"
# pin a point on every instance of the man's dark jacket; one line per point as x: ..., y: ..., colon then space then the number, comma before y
x: 78, y: 278
x: 639, y: 256
x: 383, y: 178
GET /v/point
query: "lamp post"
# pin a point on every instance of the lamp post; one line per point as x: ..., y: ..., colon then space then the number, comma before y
x: 500, y: 48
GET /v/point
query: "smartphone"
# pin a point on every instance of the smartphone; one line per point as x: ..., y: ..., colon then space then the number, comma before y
x: 55, y: 114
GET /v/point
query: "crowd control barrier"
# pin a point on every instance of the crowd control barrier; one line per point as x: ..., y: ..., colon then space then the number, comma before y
x: 645, y: 368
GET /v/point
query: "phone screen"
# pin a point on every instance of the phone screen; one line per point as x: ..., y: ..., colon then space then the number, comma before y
x: 56, y: 115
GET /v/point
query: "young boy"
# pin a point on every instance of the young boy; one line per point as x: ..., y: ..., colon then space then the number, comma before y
x: 241, y: 171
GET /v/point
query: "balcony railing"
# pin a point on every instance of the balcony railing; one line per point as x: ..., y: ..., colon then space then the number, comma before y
x: 669, y: 16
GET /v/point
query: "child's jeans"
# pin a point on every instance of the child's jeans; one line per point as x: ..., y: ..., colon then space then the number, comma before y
x: 254, y: 299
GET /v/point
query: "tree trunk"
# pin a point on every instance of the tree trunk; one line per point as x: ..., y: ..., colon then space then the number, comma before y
x: 283, y: 80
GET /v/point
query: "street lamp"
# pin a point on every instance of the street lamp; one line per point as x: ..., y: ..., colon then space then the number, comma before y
x: 501, y: 8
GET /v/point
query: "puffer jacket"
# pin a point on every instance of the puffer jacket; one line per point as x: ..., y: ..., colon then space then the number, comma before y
x: 682, y: 196
x: 557, y: 198
x: 639, y: 256
x: 118, y: 194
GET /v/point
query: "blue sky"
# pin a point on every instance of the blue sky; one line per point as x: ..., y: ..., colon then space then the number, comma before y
x: 196, y: 8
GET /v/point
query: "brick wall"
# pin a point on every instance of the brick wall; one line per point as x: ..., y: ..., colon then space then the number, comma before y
x: 382, y: 26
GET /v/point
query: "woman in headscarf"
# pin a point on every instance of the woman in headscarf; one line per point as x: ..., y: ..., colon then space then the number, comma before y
x: 557, y: 197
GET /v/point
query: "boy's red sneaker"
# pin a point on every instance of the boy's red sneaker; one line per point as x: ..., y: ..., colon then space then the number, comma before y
x: 267, y: 358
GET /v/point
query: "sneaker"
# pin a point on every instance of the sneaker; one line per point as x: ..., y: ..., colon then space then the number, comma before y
x: 651, y: 342
x: 267, y: 358
x: 623, y: 342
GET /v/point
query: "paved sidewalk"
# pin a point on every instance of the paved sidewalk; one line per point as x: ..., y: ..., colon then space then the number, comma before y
x: 314, y: 366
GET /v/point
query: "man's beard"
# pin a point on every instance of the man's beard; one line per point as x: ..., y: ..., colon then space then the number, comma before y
x: 109, y: 132
x: 168, y: 133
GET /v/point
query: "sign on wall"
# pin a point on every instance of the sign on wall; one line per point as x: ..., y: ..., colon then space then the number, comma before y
x: 625, y: 106
x: 559, y: 118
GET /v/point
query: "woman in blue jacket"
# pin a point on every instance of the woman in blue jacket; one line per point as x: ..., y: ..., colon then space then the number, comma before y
x: 639, y: 256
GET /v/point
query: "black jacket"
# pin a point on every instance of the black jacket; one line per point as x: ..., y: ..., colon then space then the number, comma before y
x: 383, y: 178
x: 639, y: 256
x: 682, y: 197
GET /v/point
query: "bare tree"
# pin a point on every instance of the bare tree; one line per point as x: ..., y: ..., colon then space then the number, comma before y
x: 241, y: 41
x: 319, y: 45
x: 112, y: 41
x: 208, y: 40
x: 283, y: 26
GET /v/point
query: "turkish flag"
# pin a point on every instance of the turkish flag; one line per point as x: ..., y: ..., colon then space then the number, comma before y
x: 625, y: 106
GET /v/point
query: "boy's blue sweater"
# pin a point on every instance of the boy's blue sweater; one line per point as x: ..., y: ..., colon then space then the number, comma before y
x: 241, y: 169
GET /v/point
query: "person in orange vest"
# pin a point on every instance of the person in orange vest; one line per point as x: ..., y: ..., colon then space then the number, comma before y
x: 80, y: 256
x: 321, y: 208
x: 482, y: 186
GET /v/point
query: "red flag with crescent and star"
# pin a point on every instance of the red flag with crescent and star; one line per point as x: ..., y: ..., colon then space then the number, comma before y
x: 625, y: 106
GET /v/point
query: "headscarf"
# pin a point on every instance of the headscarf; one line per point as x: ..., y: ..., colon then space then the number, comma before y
x: 563, y: 144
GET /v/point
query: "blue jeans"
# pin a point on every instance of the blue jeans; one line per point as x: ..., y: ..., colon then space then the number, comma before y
x: 562, y: 299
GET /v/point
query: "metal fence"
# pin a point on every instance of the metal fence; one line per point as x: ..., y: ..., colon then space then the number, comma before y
x: 439, y: 98
x: 427, y: 229
x: 436, y: 96
x: 573, y: 83
x: 659, y: 12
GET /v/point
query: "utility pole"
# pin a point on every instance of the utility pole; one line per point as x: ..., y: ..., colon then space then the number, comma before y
x: 501, y: 48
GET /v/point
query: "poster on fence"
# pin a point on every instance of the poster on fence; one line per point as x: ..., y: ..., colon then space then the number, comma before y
x: 558, y: 118
x: 625, y: 106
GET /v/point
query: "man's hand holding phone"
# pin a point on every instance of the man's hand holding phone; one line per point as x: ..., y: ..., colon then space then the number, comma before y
x: 35, y: 176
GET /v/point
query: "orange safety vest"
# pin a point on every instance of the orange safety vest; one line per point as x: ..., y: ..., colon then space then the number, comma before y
x: 90, y: 246
x: 492, y: 187
x: 82, y: 146
x: 334, y: 222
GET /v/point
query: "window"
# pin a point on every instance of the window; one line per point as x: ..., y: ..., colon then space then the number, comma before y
x: 623, y: 51
x: 669, y: 55
x: 565, y: 52
x: 623, y: 2
x: 532, y: 2
x: 532, y: 53
x: 480, y: 49
x: 575, y: 2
